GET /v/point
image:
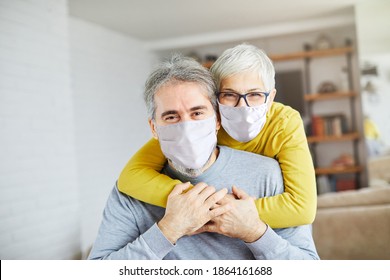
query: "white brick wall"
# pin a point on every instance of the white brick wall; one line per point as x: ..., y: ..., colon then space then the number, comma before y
x: 38, y: 184
x: 108, y: 74
x: 71, y: 115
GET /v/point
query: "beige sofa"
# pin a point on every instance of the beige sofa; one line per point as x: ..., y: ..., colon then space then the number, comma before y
x: 356, y: 224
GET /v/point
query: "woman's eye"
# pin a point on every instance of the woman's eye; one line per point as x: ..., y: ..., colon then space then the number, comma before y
x: 255, y: 94
x: 228, y: 95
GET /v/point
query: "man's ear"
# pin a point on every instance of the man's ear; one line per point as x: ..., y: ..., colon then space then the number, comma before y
x: 153, y: 129
x: 218, y: 119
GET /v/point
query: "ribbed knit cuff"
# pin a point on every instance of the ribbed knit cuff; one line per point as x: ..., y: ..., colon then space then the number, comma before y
x: 264, y: 247
x: 157, y: 242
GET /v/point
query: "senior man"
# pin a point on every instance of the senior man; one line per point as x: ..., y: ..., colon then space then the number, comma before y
x: 203, y: 221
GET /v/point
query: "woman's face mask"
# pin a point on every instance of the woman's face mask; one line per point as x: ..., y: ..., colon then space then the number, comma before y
x: 243, y: 123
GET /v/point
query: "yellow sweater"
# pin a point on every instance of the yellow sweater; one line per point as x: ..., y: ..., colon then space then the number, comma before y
x: 282, y: 137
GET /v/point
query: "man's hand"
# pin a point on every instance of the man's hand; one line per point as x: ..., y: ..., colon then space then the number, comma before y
x: 189, y: 209
x: 242, y: 221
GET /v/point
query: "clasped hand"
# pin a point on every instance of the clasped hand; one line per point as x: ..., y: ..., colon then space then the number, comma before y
x: 242, y: 221
x: 188, y: 209
x: 201, y: 208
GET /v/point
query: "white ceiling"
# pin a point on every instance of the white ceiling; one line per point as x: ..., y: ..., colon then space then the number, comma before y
x: 156, y: 21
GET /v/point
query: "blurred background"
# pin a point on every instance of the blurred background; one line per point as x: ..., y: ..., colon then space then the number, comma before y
x: 71, y: 108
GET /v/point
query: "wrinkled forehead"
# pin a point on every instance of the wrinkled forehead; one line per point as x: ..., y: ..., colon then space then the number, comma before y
x: 178, y: 96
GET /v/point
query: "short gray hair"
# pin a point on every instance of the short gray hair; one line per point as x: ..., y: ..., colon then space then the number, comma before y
x: 178, y: 69
x: 244, y: 57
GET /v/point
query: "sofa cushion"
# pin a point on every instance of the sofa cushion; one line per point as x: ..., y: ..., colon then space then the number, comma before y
x: 378, y: 168
x: 353, y: 233
x: 365, y: 196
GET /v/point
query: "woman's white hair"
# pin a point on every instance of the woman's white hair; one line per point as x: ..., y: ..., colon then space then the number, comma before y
x: 241, y: 58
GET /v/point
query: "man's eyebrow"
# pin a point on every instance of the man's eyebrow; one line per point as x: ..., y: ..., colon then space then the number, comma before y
x: 171, y: 112
x: 200, y: 107
x: 174, y: 112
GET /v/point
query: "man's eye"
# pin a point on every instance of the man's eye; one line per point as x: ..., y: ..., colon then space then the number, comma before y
x: 196, y: 114
x: 170, y: 118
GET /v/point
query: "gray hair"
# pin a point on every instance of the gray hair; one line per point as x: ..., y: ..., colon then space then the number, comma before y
x: 178, y: 69
x: 244, y: 57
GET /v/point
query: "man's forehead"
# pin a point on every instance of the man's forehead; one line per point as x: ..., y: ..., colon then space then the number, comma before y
x: 184, y: 95
x: 182, y: 87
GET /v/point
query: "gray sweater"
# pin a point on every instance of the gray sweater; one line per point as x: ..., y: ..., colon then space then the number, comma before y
x: 129, y: 230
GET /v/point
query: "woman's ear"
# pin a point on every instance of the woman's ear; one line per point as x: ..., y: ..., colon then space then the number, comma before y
x: 271, y: 97
x: 152, y: 125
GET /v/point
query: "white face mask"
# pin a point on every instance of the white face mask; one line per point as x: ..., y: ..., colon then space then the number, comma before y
x: 243, y: 123
x: 188, y: 144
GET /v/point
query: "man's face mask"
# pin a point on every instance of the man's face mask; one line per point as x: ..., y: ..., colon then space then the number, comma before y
x: 188, y: 144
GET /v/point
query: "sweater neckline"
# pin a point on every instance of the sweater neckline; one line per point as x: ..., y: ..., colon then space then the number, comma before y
x: 209, y: 174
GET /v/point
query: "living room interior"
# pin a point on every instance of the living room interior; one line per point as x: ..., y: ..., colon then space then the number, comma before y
x: 73, y: 114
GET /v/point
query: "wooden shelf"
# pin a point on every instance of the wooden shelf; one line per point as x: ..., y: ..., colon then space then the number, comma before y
x: 313, y: 53
x: 301, y: 54
x: 333, y: 138
x: 338, y: 170
x: 329, y: 96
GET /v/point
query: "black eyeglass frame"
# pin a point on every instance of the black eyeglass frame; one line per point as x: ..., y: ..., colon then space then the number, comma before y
x: 244, y: 96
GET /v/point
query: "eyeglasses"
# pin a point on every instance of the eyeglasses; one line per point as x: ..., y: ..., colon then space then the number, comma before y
x: 251, y: 99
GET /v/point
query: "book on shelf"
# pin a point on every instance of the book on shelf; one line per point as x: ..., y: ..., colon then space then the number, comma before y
x: 325, y: 184
x: 334, y: 183
x: 345, y: 184
x: 328, y: 125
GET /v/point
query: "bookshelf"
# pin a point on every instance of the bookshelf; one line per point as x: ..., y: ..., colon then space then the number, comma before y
x: 345, y: 171
x: 334, y: 128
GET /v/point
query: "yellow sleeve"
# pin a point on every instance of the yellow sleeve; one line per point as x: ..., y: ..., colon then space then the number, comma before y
x: 298, y: 204
x: 141, y: 176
